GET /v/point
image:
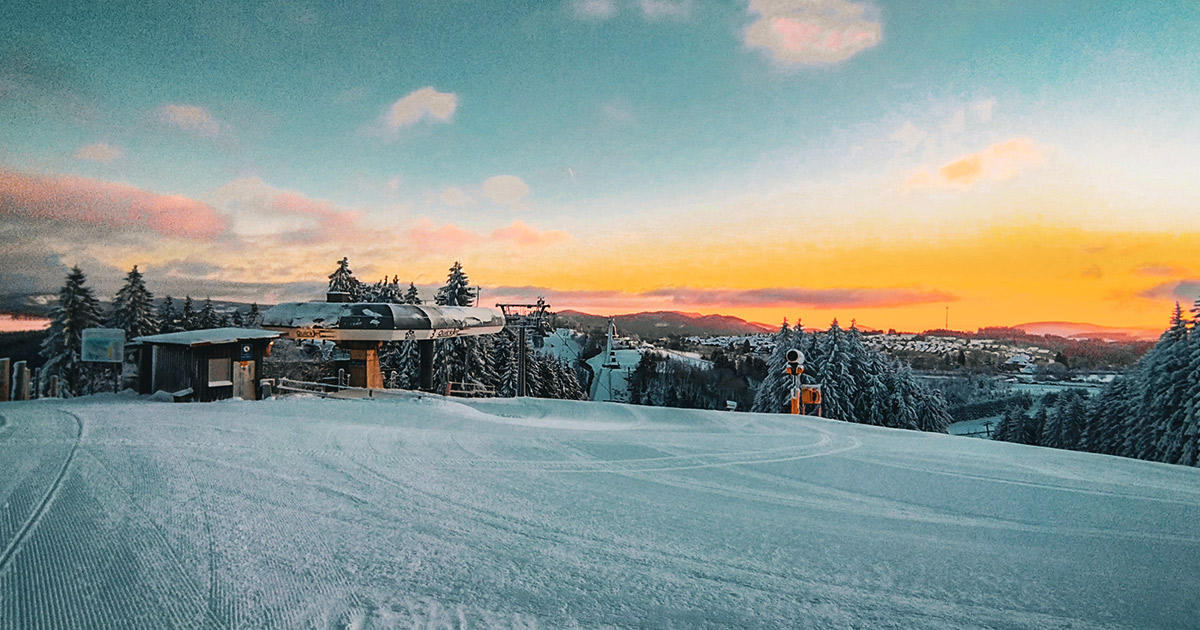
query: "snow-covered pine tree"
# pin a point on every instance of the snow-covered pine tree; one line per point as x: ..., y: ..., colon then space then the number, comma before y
x: 872, y: 399
x: 411, y: 296
x: 504, y: 362
x: 208, y: 317
x: 457, y: 291
x: 168, y: 316
x: 775, y: 390
x: 402, y: 358
x: 254, y: 317
x: 189, y: 319
x: 236, y: 319
x: 342, y: 279
x: 76, y: 310
x: 133, y: 307
x: 834, y: 374
x: 460, y: 359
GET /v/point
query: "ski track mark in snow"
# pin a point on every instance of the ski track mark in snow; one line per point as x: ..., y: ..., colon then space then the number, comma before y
x: 13, y: 546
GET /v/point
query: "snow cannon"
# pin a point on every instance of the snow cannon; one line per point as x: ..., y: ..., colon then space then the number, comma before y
x: 795, y: 367
x: 361, y: 328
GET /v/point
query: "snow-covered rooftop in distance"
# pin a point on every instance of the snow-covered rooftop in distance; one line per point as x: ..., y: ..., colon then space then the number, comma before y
x: 209, y: 336
x: 380, y: 321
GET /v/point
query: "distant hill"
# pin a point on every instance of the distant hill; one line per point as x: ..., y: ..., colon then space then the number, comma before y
x: 1080, y: 330
x: 653, y: 325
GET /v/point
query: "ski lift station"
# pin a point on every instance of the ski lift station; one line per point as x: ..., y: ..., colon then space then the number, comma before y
x: 361, y: 328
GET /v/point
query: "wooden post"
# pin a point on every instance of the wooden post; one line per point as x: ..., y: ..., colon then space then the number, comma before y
x: 20, y: 381
x: 53, y: 393
x: 36, y: 383
x: 264, y: 390
x: 5, y: 375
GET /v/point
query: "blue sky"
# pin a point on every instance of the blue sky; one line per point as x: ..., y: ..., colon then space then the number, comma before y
x: 646, y: 130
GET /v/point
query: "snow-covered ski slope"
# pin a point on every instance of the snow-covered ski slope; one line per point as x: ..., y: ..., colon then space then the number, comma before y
x: 435, y: 513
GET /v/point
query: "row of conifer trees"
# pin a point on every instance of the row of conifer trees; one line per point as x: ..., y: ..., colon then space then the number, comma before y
x: 1151, y: 412
x: 133, y: 310
x: 857, y: 384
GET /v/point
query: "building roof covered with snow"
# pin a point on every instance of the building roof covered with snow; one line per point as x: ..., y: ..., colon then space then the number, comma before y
x: 208, y: 337
x: 380, y: 321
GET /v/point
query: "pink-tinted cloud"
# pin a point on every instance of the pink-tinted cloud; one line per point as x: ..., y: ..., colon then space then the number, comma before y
x: 269, y: 215
x: 449, y: 237
x: 771, y: 297
x: 100, y: 152
x: 82, y: 201
x: 520, y: 233
x: 327, y: 223
x: 440, y: 238
x: 812, y: 32
x: 998, y: 162
x: 865, y: 297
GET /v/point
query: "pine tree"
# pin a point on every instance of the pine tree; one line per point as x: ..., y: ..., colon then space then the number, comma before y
x: 236, y: 319
x: 461, y: 359
x: 457, y: 290
x: 411, y: 296
x: 342, y: 279
x: 834, y: 375
x: 208, y: 316
x: 168, y: 317
x: 77, y: 310
x: 774, y: 392
x: 189, y: 319
x: 133, y: 308
x: 253, y: 318
x: 504, y: 363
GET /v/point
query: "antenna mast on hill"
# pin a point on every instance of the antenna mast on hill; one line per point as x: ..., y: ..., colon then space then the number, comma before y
x: 525, y: 317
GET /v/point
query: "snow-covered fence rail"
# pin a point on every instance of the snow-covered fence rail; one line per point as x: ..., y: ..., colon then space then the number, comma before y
x: 469, y: 390
x: 328, y: 390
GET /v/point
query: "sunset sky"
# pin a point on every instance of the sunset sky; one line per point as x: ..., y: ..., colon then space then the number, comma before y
x: 1013, y: 161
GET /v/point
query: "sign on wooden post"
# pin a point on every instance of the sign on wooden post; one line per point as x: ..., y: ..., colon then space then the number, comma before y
x: 103, y: 345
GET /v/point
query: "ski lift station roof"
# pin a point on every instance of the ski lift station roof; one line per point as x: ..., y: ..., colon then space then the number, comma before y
x: 208, y: 337
x: 361, y: 321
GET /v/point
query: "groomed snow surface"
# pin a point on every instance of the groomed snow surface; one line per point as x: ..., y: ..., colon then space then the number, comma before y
x: 435, y: 513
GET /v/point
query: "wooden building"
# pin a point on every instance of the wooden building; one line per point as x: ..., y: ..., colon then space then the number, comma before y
x: 204, y: 365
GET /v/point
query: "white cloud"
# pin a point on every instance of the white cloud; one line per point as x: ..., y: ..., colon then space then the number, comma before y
x: 983, y: 109
x: 425, y: 102
x: 506, y: 190
x: 99, y: 152
x: 454, y: 197
x: 908, y: 135
x: 594, y: 9
x: 812, y: 32
x: 190, y: 118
